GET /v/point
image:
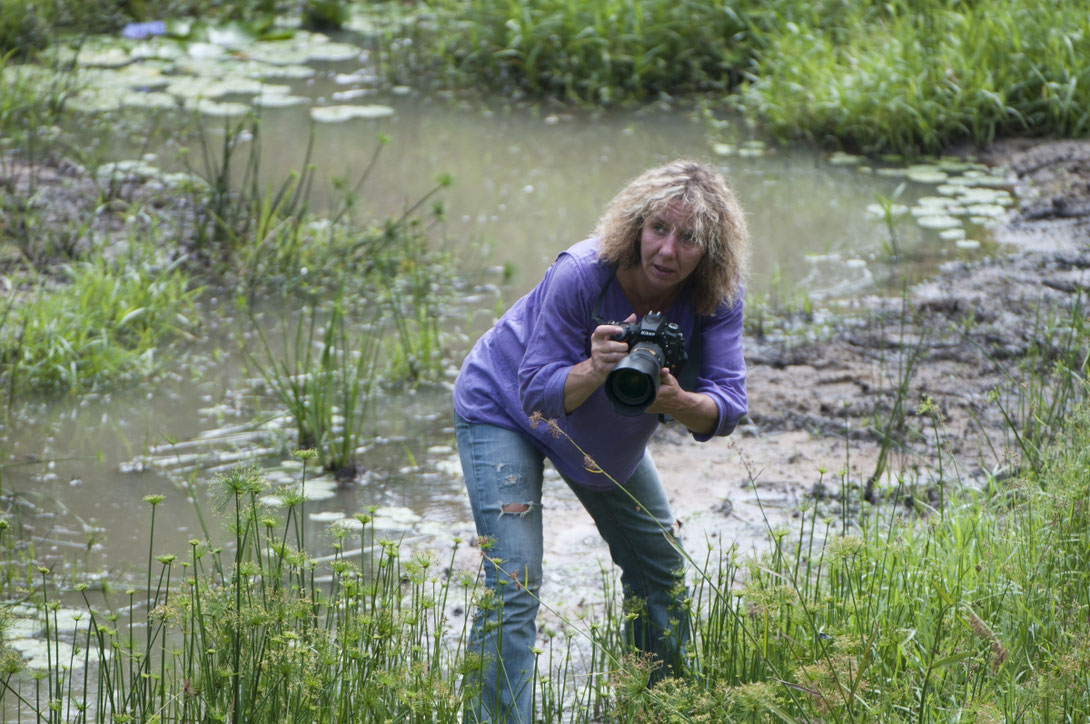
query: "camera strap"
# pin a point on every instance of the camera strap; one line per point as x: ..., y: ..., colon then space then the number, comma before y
x: 695, y: 353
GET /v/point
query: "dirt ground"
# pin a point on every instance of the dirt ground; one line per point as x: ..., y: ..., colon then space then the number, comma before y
x: 818, y: 409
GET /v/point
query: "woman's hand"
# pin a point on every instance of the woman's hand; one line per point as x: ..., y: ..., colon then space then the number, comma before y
x: 587, y: 376
x: 606, y: 352
x: 694, y: 410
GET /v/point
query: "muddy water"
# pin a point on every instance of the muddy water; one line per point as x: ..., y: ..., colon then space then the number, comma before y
x: 527, y: 184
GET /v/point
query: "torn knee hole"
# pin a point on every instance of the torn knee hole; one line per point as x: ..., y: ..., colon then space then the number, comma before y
x: 515, y: 508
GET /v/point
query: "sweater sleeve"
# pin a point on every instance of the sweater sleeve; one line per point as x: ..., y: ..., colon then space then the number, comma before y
x: 723, y: 368
x: 557, y: 337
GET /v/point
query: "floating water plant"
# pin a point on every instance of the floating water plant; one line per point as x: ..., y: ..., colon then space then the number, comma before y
x: 926, y: 174
x: 340, y: 114
x: 221, y: 109
x: 937, y: 221
x: 279, y: 100
x: 840, y: 158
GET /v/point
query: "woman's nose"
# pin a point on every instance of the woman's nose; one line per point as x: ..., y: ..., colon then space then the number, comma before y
x: 669, y: 244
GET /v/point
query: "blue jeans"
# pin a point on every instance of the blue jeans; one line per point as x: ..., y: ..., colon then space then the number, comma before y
x: 503, y: 474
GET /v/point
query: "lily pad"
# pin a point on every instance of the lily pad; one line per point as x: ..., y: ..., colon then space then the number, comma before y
x: 157, y: 49
x: 351, y: 95
x: 394, y: 517
x: 132, y: 168
x: 220, y: 109
x: 967, y: 244
x: 316, y: 489
x: 92, y: 101
x: 878, y: 211
x: 113, y: 57
x: 753, y: 148
x: 934, y: 201
x: 955, y: 165
x: 985, y: 195
x: 926, y: 174
x: 929, y: 210
x: 347, y: 524
x: 205, y: 50
x: 979, y: 178
x: 192, y: 87
x: 339, y: 114
x: 939, y: 221
x: 326, y: 516
x: 723, y: 149
x: 333, y: 52
x: 952, y: 234
x: 846, y: 159
x: 993, y: 211
x: 360, y: 76
x: 284, y: 72
x: 154, y: 100
x: 183, y: 180
x: 279, y: 100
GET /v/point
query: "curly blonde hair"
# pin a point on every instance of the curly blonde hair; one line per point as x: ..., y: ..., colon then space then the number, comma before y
x: 717, y: 223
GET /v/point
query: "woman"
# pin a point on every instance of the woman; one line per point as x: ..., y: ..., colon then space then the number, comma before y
x: 674, y: 241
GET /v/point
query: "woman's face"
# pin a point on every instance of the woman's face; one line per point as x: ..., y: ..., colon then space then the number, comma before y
x: 668, y: 251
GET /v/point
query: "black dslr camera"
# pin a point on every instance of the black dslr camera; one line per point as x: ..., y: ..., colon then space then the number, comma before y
x: 653, y: 343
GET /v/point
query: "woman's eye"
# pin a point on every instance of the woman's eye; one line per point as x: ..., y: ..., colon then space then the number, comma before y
x: 688, y: 238
x: 658, y: 228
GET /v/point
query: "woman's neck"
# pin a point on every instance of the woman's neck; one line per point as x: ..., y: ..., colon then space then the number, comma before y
x: 644, y: 300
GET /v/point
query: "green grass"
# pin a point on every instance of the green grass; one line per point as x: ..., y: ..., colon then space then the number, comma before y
x: 906, y: 77
x: 106, y: 323
x: 920, y: 78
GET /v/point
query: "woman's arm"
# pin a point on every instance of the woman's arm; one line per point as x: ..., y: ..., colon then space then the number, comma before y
x: 556, y: 341
x: 721, y: 382
x: 695, y: 410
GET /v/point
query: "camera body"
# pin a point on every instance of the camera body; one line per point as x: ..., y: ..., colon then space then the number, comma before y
x: 653, y: 343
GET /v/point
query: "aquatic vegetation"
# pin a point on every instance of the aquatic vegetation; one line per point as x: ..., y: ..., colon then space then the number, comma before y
x: 908, y: 77
x: 107, y: 323
x: 603, y: 51
x: 266, y: 628
x: 903, y: 76
x: 325, y: 377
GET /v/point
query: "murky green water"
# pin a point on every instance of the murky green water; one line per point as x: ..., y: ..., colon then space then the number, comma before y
x: 527, y: 185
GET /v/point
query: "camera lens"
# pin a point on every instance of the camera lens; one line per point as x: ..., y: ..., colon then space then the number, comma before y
x: 634, y: 382
x: 632, y: 387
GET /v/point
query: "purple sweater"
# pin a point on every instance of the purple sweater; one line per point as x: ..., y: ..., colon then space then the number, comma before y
x: 520, y: 365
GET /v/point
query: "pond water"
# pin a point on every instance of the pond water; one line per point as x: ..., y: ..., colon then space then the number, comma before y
x: 527, y: 183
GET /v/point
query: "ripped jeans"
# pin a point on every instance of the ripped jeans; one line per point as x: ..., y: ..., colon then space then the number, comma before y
x: 503, y: 474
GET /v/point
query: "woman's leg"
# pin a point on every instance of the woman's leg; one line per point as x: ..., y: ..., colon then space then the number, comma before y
x: 503, y: 478
x: 642, y: 544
